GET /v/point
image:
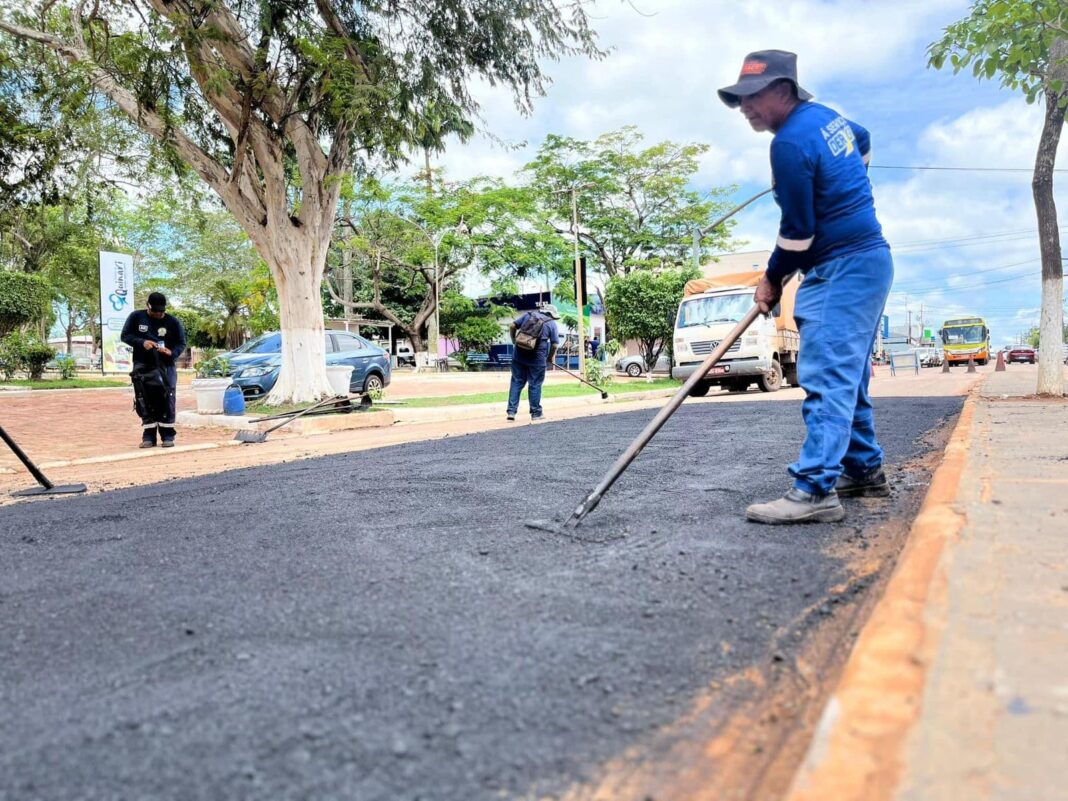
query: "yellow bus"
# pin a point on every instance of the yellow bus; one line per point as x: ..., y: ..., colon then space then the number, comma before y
x: 966, y: 338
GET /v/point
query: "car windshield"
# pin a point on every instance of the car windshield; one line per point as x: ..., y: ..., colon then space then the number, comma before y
x: 265, y: 343
x: 963, y: 335
x: 716, y: 309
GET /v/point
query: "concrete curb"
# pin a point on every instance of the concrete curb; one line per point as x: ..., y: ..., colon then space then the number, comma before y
x: 857, y: 751
x: 478, y: 411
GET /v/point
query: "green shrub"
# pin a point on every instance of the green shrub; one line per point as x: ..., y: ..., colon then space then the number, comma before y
x: 213, y: 366
x: 597, y: 372
x: 35, y: 356
x: 67, y: 366
x: 11, y: 354
x: 21, y: 352
x: 24, y: 299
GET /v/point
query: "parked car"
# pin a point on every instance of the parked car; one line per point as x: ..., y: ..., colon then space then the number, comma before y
x: 1022, y: 354
x: 254, y: 366
x: 930, y: 357
x: 634, y: 366
x: 405, y: 354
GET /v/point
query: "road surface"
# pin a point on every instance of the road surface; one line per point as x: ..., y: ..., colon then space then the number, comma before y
x: 382, y: 626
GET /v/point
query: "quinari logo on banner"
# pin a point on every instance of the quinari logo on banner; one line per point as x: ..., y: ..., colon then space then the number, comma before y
x: 839, y: 136
x: 119, y: 298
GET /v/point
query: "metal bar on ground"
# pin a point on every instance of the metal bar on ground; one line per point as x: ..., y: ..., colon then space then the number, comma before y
x: 47, y: 487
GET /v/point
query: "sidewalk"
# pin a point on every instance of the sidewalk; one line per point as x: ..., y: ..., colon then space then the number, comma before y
x: 957, y: 689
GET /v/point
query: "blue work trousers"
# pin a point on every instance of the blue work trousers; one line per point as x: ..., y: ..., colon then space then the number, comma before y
x: 839, y: 306
x: 531, y: 375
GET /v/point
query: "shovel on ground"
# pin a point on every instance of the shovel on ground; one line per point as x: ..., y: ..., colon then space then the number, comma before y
x: 247, y: 435
x: 604, y: 395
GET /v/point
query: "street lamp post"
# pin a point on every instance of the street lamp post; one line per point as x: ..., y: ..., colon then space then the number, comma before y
x: 578, y: 272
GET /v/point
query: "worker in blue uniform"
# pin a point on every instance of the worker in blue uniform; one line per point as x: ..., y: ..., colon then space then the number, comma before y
x: 829, y: 233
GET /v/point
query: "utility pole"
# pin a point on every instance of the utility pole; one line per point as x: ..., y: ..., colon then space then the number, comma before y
x: 908, y: 336
x: 578, y: 282
x: 922, y: 329
x: 697, y: 247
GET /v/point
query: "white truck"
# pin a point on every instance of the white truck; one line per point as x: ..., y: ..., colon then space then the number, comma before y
x: 766, y: 354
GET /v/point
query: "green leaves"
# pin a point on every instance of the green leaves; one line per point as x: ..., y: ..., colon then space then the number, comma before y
x: 635, y: 206
x: 643, y: 304
x: 24, y: 299
x: 1007, y: 38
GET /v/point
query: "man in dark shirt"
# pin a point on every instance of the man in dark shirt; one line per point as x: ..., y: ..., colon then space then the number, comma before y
x: 157, y: 339
x: 828, y: 232
x: 528, y: 366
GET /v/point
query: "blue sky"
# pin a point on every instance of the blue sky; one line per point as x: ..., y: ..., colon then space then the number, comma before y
x: 866, y: 59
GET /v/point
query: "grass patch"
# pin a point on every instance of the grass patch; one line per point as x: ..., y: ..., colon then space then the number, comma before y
x: 548, y: 391
x: 73, y: 383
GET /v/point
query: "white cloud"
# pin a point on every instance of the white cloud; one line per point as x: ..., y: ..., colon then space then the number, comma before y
x: 864, y: 58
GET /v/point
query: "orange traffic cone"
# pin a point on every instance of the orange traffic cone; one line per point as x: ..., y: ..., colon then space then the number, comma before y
x: 1000, y: 366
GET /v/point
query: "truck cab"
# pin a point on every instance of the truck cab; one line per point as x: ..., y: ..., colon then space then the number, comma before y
x: 765, y: 355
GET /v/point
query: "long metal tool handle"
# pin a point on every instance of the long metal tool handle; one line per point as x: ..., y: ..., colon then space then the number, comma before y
x: 580, y: 378
x: 37, y: 474
x: 657, y: 422
x: 303, y: 412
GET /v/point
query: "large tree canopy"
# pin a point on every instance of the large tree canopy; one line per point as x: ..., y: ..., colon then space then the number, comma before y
x: 636, y: 208
x: 1025, y: 44
x: 271, y: 102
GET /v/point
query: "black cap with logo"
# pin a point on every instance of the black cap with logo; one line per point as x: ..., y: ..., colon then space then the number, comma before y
x: 759, y: 70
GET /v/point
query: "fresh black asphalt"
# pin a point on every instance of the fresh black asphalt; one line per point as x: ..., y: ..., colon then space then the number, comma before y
x: 381, y: 626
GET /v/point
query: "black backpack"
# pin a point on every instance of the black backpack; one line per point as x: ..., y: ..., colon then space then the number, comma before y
x: 529, y: 334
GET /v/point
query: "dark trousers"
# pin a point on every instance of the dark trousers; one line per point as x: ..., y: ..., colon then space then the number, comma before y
x: 156, y: 406
x: 532, y: 376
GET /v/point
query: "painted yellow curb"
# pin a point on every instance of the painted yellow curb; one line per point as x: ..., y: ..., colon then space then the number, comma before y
x: 858, y: 748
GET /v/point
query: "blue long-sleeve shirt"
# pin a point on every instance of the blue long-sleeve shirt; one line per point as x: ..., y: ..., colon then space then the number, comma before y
x: 819, y: 165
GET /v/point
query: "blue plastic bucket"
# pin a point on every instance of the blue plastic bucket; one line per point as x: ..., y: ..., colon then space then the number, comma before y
x: 233, y: 401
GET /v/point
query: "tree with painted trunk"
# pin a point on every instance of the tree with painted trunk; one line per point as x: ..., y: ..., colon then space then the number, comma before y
x: 1025, y: 42
x: 271, y: 102
x: 400, y: 244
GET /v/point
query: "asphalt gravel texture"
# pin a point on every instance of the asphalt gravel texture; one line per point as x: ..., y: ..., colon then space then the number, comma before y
x: 382, y: 625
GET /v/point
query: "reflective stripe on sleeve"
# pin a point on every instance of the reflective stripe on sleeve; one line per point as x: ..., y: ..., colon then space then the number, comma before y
x: 795, y: 245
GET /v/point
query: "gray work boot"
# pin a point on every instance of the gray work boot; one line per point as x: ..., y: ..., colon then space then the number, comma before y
x: 872, y: 484
x: 797, y: 507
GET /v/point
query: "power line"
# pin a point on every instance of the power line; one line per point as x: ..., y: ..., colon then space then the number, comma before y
x: 906, y: 251
x: 965, y: 238
x: 912, y: 286
x: 952, y: 169
x: 975, y: 286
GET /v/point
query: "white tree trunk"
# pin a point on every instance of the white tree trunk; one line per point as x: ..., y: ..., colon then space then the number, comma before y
x: 1051, y: 337
x: 302, y: 377
x: 1051, y: 328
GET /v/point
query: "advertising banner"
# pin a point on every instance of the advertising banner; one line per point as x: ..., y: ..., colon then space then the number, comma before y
x: 116, y: 303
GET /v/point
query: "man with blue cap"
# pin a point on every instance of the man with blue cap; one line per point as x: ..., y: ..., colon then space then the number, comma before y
x: 828, y: 232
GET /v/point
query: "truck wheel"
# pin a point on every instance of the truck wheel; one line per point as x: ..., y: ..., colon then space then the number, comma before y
x: 771, y: 381
x: 700, y: 389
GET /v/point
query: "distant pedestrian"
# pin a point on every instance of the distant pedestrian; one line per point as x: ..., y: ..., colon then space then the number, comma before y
x: 595, y: 347
x: 157, y: 339
x: 829, y: 232
x: 535, y: 336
